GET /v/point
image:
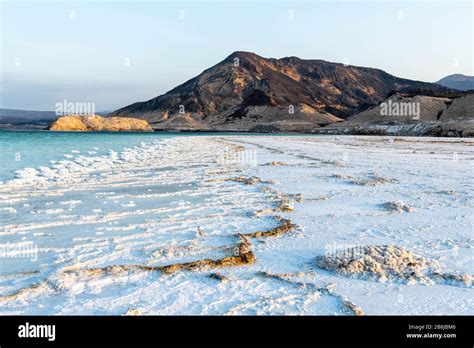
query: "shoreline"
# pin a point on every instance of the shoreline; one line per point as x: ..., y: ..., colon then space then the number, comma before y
x: 245, y: 133
x: 208, y: 189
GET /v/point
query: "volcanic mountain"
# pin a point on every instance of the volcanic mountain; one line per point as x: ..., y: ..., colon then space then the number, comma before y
x: 250, y: 93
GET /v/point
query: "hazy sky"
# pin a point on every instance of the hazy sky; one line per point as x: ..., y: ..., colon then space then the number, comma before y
x: 114, y: 53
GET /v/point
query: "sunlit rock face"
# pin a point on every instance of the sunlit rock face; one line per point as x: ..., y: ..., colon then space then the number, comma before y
x: 251, y: 93
x: 99, y: 124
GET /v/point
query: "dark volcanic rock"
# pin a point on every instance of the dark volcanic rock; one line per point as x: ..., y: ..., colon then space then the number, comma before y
x: 248, y: 92
x: 441, y: 115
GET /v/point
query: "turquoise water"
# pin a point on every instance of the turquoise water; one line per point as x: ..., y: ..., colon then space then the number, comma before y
x: 23, y: 149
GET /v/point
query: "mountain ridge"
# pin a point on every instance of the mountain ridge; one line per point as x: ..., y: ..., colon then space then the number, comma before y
x: 245, y: 91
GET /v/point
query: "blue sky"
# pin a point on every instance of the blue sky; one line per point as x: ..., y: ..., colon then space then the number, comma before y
x: 114, y: 53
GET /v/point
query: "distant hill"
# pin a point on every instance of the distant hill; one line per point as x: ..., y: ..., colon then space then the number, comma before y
x: 458, y: 81
x: 251, y: 93
x: 26, y: 114
x: 27, y: 119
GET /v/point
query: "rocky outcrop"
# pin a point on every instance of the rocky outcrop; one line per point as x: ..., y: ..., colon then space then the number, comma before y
x: 435, y: 115
x: 460, y: 109
x: 99, y: 124
x: 390, y: 263
x: 246, y: 92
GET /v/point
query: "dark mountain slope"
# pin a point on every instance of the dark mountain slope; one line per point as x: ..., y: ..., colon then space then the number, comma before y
x: 245, y: 91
